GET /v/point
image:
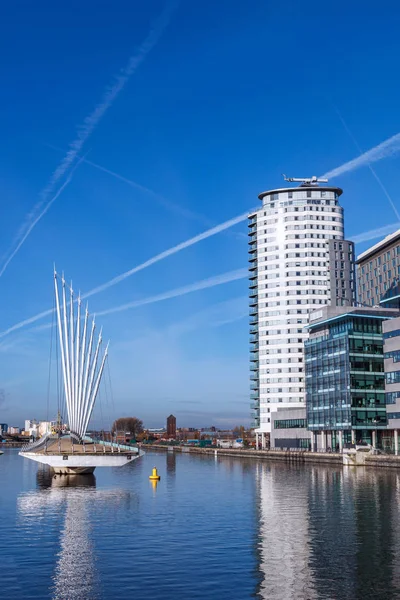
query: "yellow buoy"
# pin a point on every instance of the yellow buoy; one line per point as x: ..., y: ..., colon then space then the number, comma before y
x: 154, y: 476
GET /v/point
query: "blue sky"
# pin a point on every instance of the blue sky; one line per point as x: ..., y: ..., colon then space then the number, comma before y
x: 231, y: 95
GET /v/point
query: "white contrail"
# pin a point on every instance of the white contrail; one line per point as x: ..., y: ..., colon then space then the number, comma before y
x: 370, y: 167
x: 387, y: 148
x: 34, y: 219
x: 89, y: 124
x: 189, y: 214
x: 166, y: 253
x: 187, y: 289
x: 141, y: 188
x: 375, y: 233
x: 147, y: 263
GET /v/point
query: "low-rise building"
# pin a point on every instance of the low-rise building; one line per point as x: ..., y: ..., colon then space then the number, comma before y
x: 344, y: 375
x: 289, y: 429
x: 14, y: 430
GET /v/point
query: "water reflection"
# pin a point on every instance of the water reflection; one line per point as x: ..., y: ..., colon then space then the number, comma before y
x: 171, y: 463
x: 283, y: 549
x: 46, y: 479
x: 327, y: 533
x: 75, y: 574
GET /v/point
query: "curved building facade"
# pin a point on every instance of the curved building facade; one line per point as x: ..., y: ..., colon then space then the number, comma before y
x: 298, y: 260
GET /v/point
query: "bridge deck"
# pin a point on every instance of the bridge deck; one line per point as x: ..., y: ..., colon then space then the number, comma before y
x: 65, y: 446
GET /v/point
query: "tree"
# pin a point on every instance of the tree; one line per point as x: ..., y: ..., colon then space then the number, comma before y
x: 131, y: 425
x: 239, y: 431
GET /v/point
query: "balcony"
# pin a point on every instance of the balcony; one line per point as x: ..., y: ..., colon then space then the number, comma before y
x: 253, y: 265
x: 254, y: 311
x: 254, y: 369
x: 253, y: 259
x: 254, y: 346
x: 253, y: 319
x: 254, y: 356
x: 253, y: 274
x: 252, y: 249
x: 253, y: 293
x: 254, y: 395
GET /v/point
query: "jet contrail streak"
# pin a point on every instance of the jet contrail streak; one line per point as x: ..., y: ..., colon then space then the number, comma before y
x: 36, y: 219
x: 148, y: 263
x: 189, y: 214
x: 91, y: 122
x: 166, y: 253
x: 141, y: 188
x: 375, y: 233
x: 387, y: 148
x: 187, y: 289
x: 89, y: 125
x: 370, y: 167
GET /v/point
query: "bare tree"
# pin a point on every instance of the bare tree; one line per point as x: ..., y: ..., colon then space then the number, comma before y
x: 131, y: 425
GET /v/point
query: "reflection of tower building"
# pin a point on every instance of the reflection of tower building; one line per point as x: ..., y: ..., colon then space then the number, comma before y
x: 171, y: 427
x: 283, y: 546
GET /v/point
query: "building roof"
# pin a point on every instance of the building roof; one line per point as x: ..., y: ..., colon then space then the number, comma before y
x: 378, y: 248
x: 322, y: 188
x: 329, y: 314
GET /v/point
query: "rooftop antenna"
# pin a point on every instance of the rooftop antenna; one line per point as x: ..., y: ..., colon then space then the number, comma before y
x: 314, y: 180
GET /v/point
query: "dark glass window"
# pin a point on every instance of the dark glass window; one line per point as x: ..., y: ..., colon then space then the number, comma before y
x: 290, y: 424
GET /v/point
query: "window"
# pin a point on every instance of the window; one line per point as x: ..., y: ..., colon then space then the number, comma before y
x: 393, y: 377
x: 391, y: 398
x: 394, y: 415
x: 389, y: 334
x: 290, y: 424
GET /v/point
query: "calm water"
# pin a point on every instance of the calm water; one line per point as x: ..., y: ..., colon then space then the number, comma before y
x: 226, y: 528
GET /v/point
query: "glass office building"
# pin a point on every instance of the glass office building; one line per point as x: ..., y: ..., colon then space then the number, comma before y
x: 344, y: 374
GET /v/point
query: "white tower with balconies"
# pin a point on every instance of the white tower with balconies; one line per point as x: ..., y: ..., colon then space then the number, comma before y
x: 295, y: 244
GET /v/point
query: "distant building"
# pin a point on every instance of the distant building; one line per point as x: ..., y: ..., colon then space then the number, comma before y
x: 31, y: 427
x: 14, y: 430
x: 171, y: 426
x: 3, y: 428
x: 344, y: 375
x: 45, y: 427
x: 378, y: 273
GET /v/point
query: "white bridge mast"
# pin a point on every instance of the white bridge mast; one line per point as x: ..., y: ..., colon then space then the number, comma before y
x: 81, y: 367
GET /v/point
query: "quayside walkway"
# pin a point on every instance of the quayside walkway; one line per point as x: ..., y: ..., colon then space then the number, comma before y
x: 332, y: 458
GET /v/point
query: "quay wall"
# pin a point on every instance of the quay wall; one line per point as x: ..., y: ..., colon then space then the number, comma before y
x: 287, y: 456
x: 330, y: 458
